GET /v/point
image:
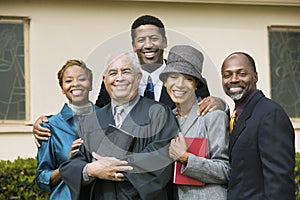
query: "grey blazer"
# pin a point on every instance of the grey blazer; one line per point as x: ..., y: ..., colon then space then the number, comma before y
x: 214, y: 170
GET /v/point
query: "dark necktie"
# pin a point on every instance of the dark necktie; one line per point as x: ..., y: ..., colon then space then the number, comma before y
x: 149, y: 91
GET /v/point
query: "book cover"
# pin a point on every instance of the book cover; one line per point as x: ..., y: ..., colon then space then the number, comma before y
x: 198, y: 147
x: 116, y: 142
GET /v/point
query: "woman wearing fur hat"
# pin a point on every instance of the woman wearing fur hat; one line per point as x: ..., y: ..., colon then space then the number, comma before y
x: 181, y: 77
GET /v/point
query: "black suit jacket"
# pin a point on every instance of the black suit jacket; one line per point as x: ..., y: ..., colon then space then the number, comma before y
x: 262, y: 153
x: 104, y: 98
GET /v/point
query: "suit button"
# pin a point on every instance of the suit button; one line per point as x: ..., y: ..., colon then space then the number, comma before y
x: 131, y: 160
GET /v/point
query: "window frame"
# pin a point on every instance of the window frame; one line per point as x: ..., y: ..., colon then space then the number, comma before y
x: 286, y: 28
x: 26, y: 24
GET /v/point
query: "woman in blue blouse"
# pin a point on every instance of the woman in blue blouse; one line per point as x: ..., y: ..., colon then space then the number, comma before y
x: 75, y: 80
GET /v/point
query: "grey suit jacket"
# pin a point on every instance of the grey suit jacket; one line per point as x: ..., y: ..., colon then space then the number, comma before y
x: 214, y: 170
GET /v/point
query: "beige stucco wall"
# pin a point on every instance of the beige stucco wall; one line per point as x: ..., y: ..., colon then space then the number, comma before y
x: 61, y: 30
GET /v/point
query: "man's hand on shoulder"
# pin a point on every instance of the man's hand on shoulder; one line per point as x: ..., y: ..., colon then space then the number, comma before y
x: 39, y: 132
x: 211, y: 103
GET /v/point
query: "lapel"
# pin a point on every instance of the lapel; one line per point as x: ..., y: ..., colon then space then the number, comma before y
x: 106, y: 145
x: 66, y: 112
x: 241, y: 122
x: 128, y: 123
x: 108, y: 119
x: 137, y: 117
x: 94, y: 127
x: 191, y: 119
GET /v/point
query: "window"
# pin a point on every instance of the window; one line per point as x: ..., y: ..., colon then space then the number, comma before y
x: 14, y: 105
x: 284, y: 43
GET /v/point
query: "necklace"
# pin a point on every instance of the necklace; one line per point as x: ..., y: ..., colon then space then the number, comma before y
x: 181, y: 121
x: 179, y: 116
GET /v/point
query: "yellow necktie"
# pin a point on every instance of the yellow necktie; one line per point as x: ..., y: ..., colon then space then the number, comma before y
x: 232, y: 121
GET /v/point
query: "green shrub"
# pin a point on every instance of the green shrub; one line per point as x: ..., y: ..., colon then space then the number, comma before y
x: 297, y: 176
x: 18, y: 180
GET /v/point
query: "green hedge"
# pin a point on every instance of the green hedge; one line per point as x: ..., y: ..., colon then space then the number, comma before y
x: 297, y: 176
x: 18, y: 179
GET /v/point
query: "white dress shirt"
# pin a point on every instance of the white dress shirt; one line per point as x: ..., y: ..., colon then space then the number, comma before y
x: 158, y: 84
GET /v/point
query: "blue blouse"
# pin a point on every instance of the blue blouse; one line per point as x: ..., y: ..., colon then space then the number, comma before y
x: 55, y: 151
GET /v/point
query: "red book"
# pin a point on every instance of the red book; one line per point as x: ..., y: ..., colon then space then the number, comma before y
x: 198, y: 147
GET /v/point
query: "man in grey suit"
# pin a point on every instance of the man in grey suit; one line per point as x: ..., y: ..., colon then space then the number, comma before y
x: 124, y: 154
x: 261, y: 147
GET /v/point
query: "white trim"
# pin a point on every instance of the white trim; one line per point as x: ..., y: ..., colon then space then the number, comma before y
x: 15, y: 128
x: 238, y: 2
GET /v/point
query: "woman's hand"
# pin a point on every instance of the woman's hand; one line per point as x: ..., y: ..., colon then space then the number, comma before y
x: 75, y: 145
x: 178, y: 149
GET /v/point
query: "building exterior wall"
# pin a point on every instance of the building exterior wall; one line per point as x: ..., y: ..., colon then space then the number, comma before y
x: 61, y: 30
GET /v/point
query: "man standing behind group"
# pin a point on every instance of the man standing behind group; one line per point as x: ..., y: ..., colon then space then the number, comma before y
x: 149, y: 40
x: 261, y: 147
x: 96, y: 171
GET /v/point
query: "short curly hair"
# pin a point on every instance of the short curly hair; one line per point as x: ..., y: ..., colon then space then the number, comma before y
x: 73, y: 62
x: 147, y: 19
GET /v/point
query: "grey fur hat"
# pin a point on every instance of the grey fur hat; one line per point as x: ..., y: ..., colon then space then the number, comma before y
x: 184, y: 59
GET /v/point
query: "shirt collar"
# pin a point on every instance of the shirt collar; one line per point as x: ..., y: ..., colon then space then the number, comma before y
x: 66, y: 112
x: 154, y: 75
x: 127, y: 106
x: 240, y: 108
